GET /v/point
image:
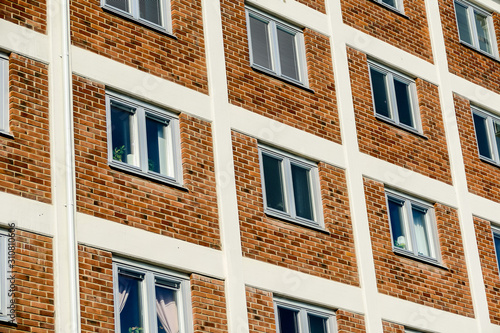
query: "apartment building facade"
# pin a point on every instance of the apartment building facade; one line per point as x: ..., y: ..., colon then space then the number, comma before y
x: 290, y: 166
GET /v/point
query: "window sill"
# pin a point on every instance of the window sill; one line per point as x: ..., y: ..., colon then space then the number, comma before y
x: 138, y: 22
x: 491, y: 162
x: 404, y: 128
x: 6, y: 321
x: 7, y: 135
x: 295, y: 222
x: 431, y: 262
x: 149, y: 176
x: 492, y: 57
x: 296, y: 84
x: 392, y: 9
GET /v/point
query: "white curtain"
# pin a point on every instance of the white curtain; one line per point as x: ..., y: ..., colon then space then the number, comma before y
x: 166, y: 308
x: 421, y: 233
x: 124, y: 286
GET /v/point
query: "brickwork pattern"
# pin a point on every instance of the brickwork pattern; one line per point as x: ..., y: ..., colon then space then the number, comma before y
x: 348, y: 322
x: 489, y: 266
x: 25, y: 158
x: 389, y: 327
x: 426, y: 155
x: 29, y: 14
x: 330, y: 254
x: 96, y: 290
x: 260, y: 311
x: 464, y: 61
x: 482, y: 178
x: 209, y: 305
x: 180, y: 59
x: 314, y: 112
x: 408, y: 32
x: 445, y: 289
x: 188, y: 214
x: 34, y: 284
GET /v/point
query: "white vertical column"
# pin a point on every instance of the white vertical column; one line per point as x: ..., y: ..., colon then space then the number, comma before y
x: 354, y: 175
x: 469, y: 240
x: 67, y: 303
x: 224, y: 168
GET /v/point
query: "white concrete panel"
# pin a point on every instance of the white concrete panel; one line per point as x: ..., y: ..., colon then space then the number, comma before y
x: 24, y: 41
x: 478, y: 95
x: 142, y: 85
x: 149, y: 247
x: 484, y: 208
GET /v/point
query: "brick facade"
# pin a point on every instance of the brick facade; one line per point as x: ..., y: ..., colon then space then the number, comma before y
x: 491, y: 274
x: 25, y: 157
x: 34, y: 284
x: 188, y: 214
x: 260, y: 311
x: 327, y: 254
x: 408, y: 32
x: 180, y: 59
x: 389, y: 327
x: 29, y: 14
x: 348, y: 322
x: 444, y: 288
x: 427, y: 154
x: 482, y: 178
x: 464, y: 61
x: 209, y: 304
x: 314, y: 112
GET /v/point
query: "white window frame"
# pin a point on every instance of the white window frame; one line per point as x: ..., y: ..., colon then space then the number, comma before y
x: 151, y: 273
x: 134, y: 14
x: 430, y: 219
x: 490, y: 117
x: 392, y: 75
x: 143, y: 110
x: 304, y: 310
x: 496, y: 234
x: 273, y: 24
x: 290, y: 213
x: 399, y: 5
x: 4, y: 93
x: 471, y: 8
x: 4, y: 274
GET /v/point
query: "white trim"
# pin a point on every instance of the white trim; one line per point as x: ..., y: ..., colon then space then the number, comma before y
x: 4, y: 283
x: 4, y: 93
x: 303, y: 310
x: 494, y: 147
x: 399, y: 5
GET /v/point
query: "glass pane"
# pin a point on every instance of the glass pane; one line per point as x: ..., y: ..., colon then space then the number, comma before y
x: 403, y: 102
x: 130, y: 304
x: 288, y: 54
x: 482, y: 136
x: 167, y: 316
x: 273, y: 182
x: 483, y: 33
x: 159, y: 141
x: 121, y: 135
x: 288, y: 320
x: 302, y: 192
x: 421, y: 232
x: 150, y: 10
x: 390, y: 2
x: 379, y: 88
x: 120, y: 4
x: 260, y: 43
x: 463, y: 23
x: 317, y: 324
x: 497, y: 248
x: 496, y: 128
x: 399, y: 237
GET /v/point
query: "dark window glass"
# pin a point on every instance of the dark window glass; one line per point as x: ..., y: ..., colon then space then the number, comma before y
x: 497, y: 247
x: 157, y: 141
x: 317, y: 324
x: 150, y: 10
x: 288, y: 54
x: 273, y: 182
x: 121, y: 122
x: 482, y: 136
x: 399, y: 236
x: 302, y: 192
x: 403, y: 102
x: 130, y: 306
x: 390, y: 2
x: 288, y: 320
x: 260, y: 43
x: 379, y: 89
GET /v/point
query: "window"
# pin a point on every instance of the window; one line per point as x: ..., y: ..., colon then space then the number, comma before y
x: 290, y: 187
x: 475, y: 27
x: 394, y: 97
x: 150, y: 300
x: 4, y: 93
x: 412, y: 226
x: 276, y: 47
x: 143, y: 139
x: 4, y: 271
x: 496, y: 240
x: 396, y: 4
x: 294, y: 317
x: 487, y: 129
x: 154, y: 13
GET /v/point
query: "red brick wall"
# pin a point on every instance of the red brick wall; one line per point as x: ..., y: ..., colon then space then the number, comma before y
x: 348, y: 322
x: 25, y: 158
x: 96, y: 290
x: 329, y: 255
x: 464, y: 61
x: 29, y: 14
x: 482, y: 178
x: 209, y: 304
x: 445, y: 289
x: 489, y: 266
x: 260, y: 311
x: 409, y: 33
x: 180, y: 59
x: 188, y: 214
x: 429, y: 155
x: 392, y: 328
x: 34, y: 284
x: 314, y: 112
